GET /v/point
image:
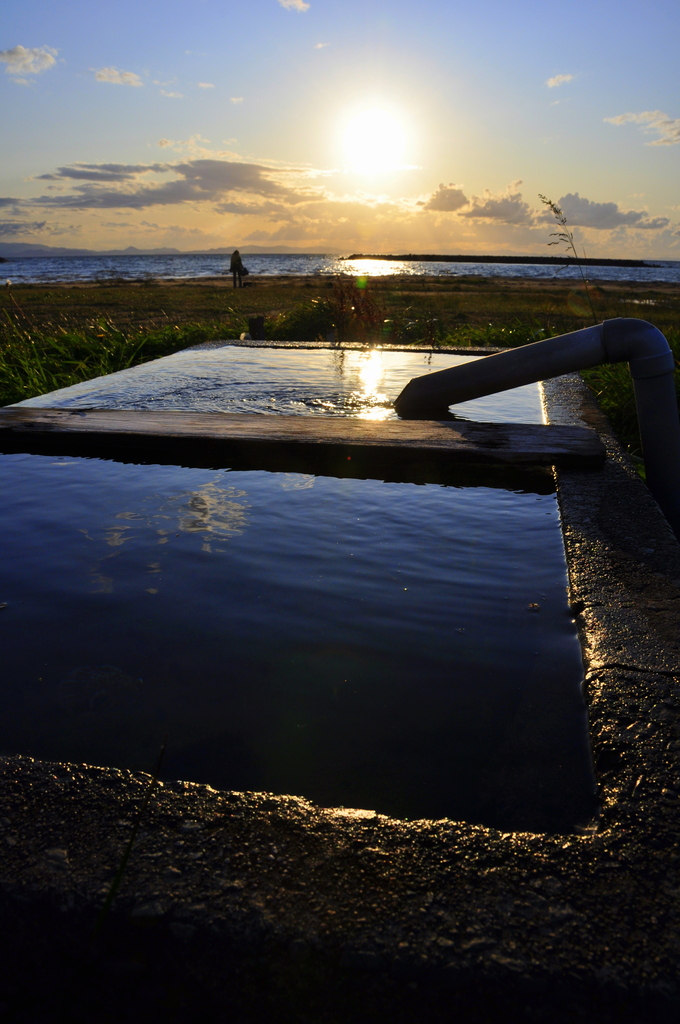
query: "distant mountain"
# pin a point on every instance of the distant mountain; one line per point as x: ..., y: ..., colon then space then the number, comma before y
x: 21, y: 249
x: 16, y: 250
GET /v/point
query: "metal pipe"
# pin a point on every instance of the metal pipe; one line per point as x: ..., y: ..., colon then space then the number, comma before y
x: 651, y: 366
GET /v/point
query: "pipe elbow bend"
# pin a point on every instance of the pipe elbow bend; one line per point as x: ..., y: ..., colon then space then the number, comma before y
x: 638, y: 343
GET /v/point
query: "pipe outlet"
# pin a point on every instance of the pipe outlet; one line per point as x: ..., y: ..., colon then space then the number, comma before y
x: 624, y: 339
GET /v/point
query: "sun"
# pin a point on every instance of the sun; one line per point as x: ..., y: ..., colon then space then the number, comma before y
x: 374, y: 140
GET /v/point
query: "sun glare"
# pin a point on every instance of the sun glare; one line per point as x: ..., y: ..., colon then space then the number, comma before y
x: 373, y: 141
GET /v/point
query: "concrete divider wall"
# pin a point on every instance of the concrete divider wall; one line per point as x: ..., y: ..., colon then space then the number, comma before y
x: 245, y: 907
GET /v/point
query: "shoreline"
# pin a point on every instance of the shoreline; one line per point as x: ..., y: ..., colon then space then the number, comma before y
x: 551, y: 261
x: 379, y: 282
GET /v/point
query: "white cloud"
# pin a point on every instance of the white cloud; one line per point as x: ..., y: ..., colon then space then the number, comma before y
x: 320, y: 46
x: 22, y: 60
x: 236, y: 99
x: 504, y: 207
x: 667, y: 128
x: 116, y: 77
x: 291, y: 204
x: 172, y: 95
x: 206, y: 85
x: 446, y: 199
x: 557, y: 80
x: 195, y: 147
x: 605, y: 216
x: 295, y: 5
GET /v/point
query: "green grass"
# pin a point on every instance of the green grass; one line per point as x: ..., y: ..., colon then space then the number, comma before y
x: 34, y: 361
x: 53, y: 337
x: 446, y: 304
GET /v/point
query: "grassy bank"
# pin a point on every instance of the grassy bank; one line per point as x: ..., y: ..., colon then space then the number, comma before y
x: 54, y: 336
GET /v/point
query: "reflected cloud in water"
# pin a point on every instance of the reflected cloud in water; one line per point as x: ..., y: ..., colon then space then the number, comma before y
x: 296, y: 481
x: 213, y: 513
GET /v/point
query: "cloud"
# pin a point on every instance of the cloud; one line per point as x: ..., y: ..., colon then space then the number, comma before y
x: 504, y: 207
x: 370, y: 222
x: 447, y: 198
x: 206, y: 85
x: 63, y: 229
x: 172, y: 95
x: 116, y: 77
x: 22, y: 60
x: 274, y: 211
x: 101, y: 172
x: 295, y: 5
x: 11, y: 228
x: 299, y: 205
x: 558, y: 80
x: 582, y: 212
x: 194, y: 147
x: 320, y: 46
x: 126, y: 186
x: 667, y: 128
x: 236, y: 99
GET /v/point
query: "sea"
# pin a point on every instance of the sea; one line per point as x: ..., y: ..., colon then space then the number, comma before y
x: 194, y: 266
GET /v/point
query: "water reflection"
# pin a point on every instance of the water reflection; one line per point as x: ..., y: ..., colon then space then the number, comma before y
x: 295, y: 481
x: 212, y: 510
x: 379, y: 268
x: 213, y: 513
x: 374, y: 402
x: 331, y: 650
x: 326, y: 382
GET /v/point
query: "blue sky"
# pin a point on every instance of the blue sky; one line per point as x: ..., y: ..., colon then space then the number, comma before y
x: 376, y: 125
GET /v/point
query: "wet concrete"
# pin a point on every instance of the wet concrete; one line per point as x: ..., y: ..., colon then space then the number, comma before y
x: 256, y: 907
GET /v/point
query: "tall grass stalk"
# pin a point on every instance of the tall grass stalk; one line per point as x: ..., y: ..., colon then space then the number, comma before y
x: 565, y: 237
x: 351, y: 312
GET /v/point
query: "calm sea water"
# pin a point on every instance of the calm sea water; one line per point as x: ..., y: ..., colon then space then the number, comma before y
x: 26, y: 270
x: 406, y: 648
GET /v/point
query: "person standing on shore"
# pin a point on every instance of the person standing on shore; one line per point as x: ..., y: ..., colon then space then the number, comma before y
x: 236, y: 268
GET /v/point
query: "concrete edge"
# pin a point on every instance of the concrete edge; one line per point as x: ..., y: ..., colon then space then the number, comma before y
x: 347, y: 346
x: 265, y: 907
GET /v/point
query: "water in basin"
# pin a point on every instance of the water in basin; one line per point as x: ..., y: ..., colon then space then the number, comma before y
x: 303, y: 382
x: 407, y: 648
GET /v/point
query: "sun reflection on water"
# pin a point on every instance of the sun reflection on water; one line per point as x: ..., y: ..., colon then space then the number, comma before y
x: 373, y: 402
x: 377, y: 268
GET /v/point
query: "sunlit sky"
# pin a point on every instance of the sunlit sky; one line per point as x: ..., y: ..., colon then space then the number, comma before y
x: 341, y: 125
